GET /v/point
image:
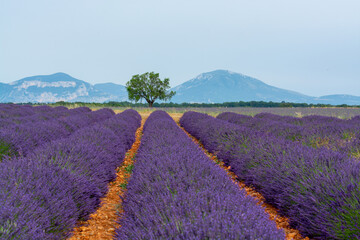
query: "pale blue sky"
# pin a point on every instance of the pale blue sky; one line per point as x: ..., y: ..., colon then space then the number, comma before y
x: 309, y: 46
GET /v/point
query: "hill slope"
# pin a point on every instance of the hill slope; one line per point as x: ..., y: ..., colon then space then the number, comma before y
x: 339, y: 99
x: 117, y: 92
x: 225, y: 86
x: 52, y: 88
x: 212, y: 87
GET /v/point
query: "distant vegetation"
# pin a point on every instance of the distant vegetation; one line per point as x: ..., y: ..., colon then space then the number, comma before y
x: 197, y: 105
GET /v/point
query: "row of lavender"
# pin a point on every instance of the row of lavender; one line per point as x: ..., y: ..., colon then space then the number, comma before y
x: 11, y: 114
x: 177, y: 192
x: 44, y: 194
x: 14, y: 111
x: 21, y: 139
x: 315, y: 131
x: 318, y: 189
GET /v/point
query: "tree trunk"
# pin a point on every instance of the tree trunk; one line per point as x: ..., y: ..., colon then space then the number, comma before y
x: 150, y: 102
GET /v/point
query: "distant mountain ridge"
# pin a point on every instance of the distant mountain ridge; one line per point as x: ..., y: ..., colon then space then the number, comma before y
x: 116, y: 91
x: 212, y: 87
x: 338, y: 99
x: 54, y: 88
x: 225, y: 86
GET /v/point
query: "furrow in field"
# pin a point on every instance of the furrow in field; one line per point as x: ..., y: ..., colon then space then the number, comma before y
x: 175, y: 192
x: 317, y: 189
x: 102, y: 223
x: 281, y: 222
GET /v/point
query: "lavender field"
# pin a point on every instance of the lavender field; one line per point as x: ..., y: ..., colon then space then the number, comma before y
x: 57, y: 166
x: 307, y: 168
x: 338, y: 112
x: 343, y: 113
x: 55, y: 170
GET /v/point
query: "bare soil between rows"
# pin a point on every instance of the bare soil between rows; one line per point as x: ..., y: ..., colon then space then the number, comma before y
x: 281, y: 222
x: 102, y: 224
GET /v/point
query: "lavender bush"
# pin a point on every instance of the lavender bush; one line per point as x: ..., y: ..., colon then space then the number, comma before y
x: 318, y: 189
x: 33, y: 114
x: 62, y: 181
x: 22, y: 139
x: 38, y: 201
x: 177, y: 192
x: 13, y: 110
x: 315, y: 131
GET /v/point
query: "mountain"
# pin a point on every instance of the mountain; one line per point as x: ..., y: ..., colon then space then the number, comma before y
x: 4, y: 90
x: 117, y: 92
x: 52, y: 88
x: 211, y: 87
x: 225, y: 86
x: 339, y: 99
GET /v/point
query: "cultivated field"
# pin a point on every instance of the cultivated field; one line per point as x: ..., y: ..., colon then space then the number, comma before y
x: 215, y: 173
x: 343, y: 113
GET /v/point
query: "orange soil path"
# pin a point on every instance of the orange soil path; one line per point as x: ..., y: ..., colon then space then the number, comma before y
x: 102, y: 223
x: 281, y: 222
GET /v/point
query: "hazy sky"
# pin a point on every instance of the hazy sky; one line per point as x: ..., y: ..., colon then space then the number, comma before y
x: 309, y: 46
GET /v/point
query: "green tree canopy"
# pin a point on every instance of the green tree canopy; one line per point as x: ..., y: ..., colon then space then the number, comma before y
x: 150, y: 87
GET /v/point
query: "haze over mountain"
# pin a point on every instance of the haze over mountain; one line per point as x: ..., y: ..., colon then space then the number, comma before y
x: 53, y: 88
x: 226, y: 86
x: 211, y: 87
x: 117, y: 91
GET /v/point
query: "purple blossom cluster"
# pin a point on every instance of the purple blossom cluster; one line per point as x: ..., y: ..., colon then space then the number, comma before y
x: 338, y: 112
x: 315, y: 131
x: 24, y: 114
x: 177, y: 192
x: 44, y: 194
x: 13, y: 110
x: 318, y: 189
x: 21, y: 139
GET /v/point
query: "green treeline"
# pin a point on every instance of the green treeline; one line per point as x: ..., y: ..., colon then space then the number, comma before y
x: 197, y: 105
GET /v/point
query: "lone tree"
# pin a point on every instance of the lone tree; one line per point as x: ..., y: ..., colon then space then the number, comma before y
x: 150, y: 87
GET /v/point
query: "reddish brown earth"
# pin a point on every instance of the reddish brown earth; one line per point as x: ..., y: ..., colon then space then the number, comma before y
x: 281, y: 222
x: 102, y: 223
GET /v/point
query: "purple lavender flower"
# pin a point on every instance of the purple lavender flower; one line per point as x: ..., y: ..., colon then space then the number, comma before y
x: 316, y: 188
x: 177, y: 192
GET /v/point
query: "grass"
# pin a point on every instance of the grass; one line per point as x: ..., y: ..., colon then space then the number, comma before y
x: 5, y: 150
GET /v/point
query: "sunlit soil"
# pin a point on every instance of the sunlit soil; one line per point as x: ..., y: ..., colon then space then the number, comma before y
x: 102, y: 223
x: 281, y: 222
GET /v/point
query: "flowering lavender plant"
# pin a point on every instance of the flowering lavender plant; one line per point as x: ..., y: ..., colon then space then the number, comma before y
x: 177, y: 192
x: 44, y: 194
x: 21, y: 139
x: 318, y: 189
x: 315, y: 131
